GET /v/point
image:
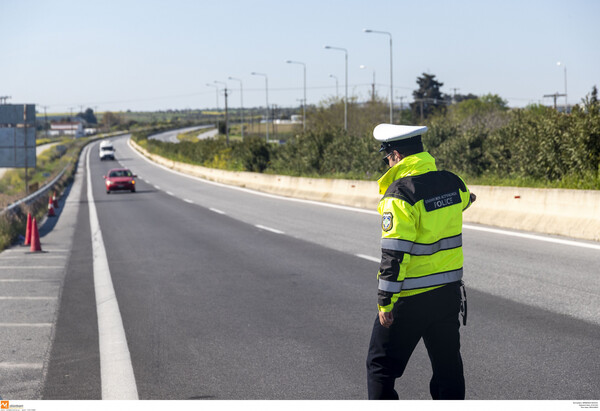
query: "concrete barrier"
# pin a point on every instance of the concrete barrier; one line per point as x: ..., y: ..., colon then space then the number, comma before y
x: 571, y: 213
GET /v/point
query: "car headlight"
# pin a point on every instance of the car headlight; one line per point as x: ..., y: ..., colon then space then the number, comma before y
x: 132, y: 181
x: 108, y: 182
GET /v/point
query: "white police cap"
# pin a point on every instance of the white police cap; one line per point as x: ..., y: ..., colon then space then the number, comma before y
x: 388, y: 133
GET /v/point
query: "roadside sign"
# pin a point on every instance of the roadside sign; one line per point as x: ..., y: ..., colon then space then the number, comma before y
x: 12, y: 114
x: 17, y: 136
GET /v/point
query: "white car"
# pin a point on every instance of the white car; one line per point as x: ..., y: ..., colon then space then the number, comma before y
x: 107, y: 151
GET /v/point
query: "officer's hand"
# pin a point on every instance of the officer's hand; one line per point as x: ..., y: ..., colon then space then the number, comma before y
x: 386, y: 319
x: 473, y: 198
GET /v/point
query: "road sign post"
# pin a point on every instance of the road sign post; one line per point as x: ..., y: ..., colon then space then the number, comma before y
x: 17, y: 137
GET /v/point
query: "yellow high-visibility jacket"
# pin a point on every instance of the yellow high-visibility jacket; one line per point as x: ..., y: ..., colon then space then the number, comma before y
x: 421, y: 222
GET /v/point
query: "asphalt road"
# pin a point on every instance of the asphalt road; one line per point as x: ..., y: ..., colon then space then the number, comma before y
x: 229, y: 294
x: 171, y: 135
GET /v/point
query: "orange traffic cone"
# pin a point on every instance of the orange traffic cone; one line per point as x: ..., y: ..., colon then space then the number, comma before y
x: 28, y: 230
x: 51, y: 212
x: 55, y: 200
x: 35, y: 238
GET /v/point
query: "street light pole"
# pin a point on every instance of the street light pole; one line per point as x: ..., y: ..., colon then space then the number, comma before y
x: 391, y: 72
x: 241, y: 102
x: 346, y: 98
x: 337, y: 93
x: 226, y: 112
x: 566, y: 102
x: 304, y: 103
x: 267, y: 94
x: 217, y: 90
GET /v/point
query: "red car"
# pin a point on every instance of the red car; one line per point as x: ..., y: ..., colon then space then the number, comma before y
x: 120, y: 179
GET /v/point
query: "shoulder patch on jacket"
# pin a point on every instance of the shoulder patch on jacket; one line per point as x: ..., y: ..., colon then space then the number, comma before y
x: 387, y: 221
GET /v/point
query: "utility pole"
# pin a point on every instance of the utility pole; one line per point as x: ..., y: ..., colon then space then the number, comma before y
x: 45, y: 120
x: 555, y: 96
x: 226, y: 118
x: 454, y: 94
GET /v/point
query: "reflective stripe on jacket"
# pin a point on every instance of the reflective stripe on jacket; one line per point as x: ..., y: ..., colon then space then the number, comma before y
x: 421, y: 245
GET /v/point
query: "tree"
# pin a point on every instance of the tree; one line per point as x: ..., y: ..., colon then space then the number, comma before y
x: 110, y: 119
x: 88, y: 116
x: 462, y: 97
x: 428, y: 97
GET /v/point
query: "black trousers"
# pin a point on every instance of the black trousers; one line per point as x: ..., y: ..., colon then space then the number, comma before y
x: 433, y: 316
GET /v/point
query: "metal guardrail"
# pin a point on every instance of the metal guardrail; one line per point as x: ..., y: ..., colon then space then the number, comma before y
x: 48, y: 186
x: 35, y: 195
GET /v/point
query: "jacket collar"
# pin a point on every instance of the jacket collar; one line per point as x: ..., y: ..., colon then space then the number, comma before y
x: 412, y: 165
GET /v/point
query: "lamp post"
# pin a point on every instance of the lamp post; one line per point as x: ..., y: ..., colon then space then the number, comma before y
x: 241, y: 103
x: 226, y: 111
x: 304, y: 102
x: 391, y: 72
x: 362, y: 66
x: 337, y: 94
x: 566, y: 102
x: 267, y: 94
x: 217, y: 90
x: 346, y: 98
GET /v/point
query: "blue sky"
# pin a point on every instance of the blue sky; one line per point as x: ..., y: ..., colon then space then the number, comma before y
x: 153, y: 55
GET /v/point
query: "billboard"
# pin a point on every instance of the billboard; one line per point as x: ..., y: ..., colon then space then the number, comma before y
x: 17, y: 136
x: 17, y: 147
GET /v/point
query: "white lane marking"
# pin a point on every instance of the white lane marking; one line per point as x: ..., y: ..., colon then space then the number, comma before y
x: 188, y: 201
x: 9, y: 365
x: 157, y: 187
x: 23, y: 325
x: 217, y: 211
x: 28, y: 298
x: 170, y: 193
x: 116, y: 370
x: 368, y: 257
x: 273, y: 230
x: 361, y: 210
x: 532, y: 237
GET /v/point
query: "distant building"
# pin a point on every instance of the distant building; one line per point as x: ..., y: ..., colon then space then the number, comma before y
x: 67, y: 128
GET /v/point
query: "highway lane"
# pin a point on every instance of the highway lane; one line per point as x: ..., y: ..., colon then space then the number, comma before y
x: 171, y: 135
x: 215, y: 307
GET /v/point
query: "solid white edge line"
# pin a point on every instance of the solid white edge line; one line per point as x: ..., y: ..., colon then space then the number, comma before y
x: 361, y: 210
x: 273, y: 230
x: 116, y: 370
x: 532, y: 237
x: 368, y: 257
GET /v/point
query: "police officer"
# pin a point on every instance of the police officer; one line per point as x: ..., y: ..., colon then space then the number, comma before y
x: 420, y: 275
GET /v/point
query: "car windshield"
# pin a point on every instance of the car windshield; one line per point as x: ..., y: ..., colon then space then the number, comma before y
x: 120, y: 173
x: 106, y: 148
